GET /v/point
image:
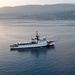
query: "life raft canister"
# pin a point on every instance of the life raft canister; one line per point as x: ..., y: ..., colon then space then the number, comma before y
x: 48, y: 43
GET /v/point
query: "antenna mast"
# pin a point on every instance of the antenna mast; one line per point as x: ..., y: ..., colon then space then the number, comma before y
x: 37, y: 36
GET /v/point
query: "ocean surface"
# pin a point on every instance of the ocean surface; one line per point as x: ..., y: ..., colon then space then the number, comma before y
x: 57, y: 60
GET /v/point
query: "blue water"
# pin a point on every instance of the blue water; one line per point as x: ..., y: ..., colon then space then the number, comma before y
x: 57, y: 60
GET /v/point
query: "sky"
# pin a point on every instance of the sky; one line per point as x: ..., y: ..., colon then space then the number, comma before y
x: 4, y: 3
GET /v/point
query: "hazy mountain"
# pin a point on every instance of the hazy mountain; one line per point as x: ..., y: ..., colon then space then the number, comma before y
x: 40, y: 12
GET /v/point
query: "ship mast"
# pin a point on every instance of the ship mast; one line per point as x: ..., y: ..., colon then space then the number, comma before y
x: 37, y: 36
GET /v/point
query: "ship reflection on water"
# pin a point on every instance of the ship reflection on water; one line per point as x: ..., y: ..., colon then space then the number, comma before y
x: 36, y: 51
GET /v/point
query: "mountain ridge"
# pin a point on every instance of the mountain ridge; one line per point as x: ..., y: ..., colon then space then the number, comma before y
x: 39, y: 12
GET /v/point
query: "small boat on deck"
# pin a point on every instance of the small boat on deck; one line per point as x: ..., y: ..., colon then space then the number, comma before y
x: 34, y: 43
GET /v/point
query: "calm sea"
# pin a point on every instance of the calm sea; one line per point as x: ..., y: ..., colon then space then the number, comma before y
x: 58, y: 60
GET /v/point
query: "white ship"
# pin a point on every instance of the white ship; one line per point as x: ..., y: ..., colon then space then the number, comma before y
x: 34, y: 43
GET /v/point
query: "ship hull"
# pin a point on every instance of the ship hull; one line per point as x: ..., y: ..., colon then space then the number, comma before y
x: 32, y: 46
